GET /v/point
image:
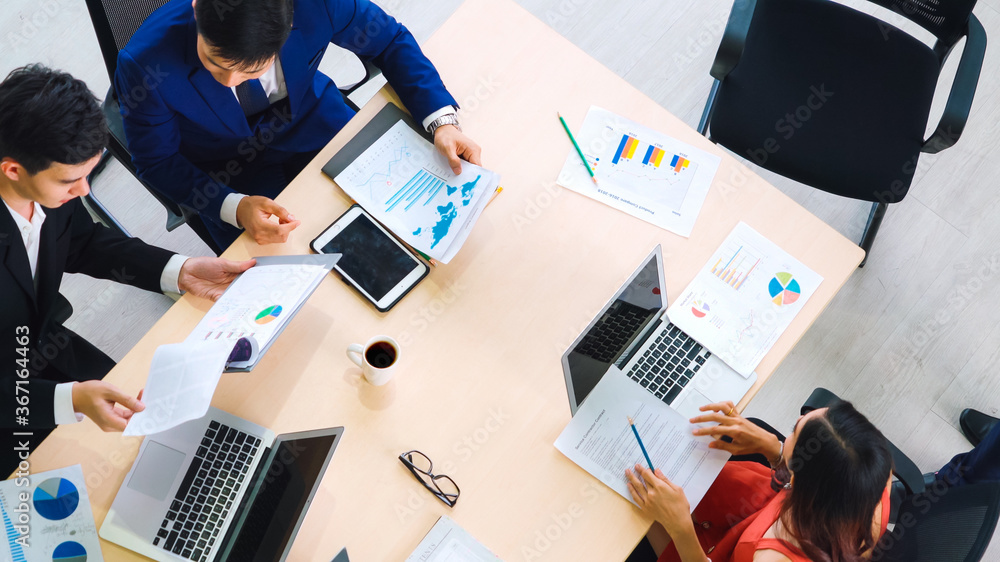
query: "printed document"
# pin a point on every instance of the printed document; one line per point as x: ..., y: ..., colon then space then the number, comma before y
x: 47, y: 516
x: 642, y: 172
x: 447, y: 542
x: 600, y: 439
x: 744, y: 298
x: 408, y: 186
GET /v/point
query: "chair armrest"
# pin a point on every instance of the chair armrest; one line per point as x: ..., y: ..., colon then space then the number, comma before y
x: 904, y: 469
x: 963, y: 90
x: 734, y: 38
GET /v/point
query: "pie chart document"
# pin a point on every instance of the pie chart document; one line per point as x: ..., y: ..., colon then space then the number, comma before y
x: 744, y: 298
x: 47, y: 517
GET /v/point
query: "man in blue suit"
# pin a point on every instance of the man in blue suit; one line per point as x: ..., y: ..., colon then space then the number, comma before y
x: 223, y: 103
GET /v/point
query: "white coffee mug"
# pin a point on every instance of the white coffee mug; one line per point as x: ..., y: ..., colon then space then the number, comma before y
x: 377, y: 358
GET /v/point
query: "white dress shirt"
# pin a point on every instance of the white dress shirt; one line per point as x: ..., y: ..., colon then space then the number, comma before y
x: 273, y: 81
x: 30, y: 233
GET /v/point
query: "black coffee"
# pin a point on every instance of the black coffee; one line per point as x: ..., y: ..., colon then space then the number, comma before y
x: 381, y: 355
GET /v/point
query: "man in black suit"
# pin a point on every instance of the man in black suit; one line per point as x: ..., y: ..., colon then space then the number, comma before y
x: 51, y: 136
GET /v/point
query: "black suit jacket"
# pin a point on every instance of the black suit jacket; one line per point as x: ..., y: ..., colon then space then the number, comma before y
x: 70, y: 242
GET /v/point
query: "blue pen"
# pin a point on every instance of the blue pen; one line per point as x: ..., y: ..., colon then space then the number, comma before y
x: 641, y: 446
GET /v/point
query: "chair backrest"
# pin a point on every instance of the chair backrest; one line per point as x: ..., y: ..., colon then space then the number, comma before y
x: 946, y: 19
x: 115, y: 21
x: 947, y: 525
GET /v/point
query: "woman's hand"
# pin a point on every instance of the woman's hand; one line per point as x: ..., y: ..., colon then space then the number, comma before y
x: 661, y: 499
x: 747, y: 437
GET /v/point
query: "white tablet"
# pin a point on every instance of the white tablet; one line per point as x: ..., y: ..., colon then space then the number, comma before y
x: 373, y: 262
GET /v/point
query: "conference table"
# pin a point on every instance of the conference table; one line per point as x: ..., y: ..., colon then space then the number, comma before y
x: 479, y: 386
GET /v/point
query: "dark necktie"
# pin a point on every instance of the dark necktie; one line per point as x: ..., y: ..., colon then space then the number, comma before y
x: 252, y: 98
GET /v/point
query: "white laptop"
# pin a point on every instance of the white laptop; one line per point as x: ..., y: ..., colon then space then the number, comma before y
x: 633, y: 333
x: 219, y: 488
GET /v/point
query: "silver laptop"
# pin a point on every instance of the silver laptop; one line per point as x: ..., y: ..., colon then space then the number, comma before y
x: 633, y: 333
x: 219, y: 488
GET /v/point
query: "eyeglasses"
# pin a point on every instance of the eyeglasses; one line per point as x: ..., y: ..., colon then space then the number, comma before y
x: 441, y: 485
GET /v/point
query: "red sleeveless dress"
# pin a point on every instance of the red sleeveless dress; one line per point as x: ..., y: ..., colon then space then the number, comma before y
x: 738, y: 510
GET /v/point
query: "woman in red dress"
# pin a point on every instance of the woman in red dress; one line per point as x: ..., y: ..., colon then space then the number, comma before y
x: 825, y: 500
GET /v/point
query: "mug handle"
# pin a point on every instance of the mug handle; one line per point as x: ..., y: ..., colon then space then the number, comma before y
x: 354, y: 352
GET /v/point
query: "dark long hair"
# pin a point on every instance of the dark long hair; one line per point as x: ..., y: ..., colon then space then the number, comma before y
x: 841, y: 464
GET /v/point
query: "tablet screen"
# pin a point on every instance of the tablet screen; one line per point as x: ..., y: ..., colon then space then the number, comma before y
x: 373, y: 260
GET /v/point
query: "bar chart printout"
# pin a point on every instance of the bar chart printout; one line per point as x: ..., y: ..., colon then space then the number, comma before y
x: 642, y: 172
x: 744, y: 298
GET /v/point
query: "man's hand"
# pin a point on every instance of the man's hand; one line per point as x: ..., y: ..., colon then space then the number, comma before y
x: 456, y: 147
x: 209, y: 277
x: 97, y: 400
x: 254, y: 214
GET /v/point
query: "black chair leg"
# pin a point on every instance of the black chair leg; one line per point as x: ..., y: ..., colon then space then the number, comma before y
x: 871, y: 229
x: 94, y: 205
x: 706, y: 114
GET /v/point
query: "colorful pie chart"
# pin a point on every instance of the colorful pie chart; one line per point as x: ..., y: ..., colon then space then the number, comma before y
x: 69, y: 551
x: 784, y: 289
x: 56, y: 499
x: 699, y: 309
x: 268, y: 314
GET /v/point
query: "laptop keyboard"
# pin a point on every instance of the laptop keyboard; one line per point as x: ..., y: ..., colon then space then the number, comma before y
x: 612, y: 333
x: 666, y: 367
x: 207, y: 492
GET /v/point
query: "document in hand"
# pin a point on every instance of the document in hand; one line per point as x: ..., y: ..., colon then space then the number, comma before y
x: 262, y: 301
x: 447, y: 542
x: 640, y: 171
x: 744, y: 298
x: 408, y: 186
x: 600, y: 440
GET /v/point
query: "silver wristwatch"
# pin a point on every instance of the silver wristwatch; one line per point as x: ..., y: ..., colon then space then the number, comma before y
x: 446, y: 119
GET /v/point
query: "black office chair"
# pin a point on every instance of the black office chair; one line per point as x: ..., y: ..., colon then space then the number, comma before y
x: 839, y: 100
x: 115, y: 21
x: 932, y: 523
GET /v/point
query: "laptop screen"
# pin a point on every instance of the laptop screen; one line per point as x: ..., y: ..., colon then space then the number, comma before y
x: 638, y: 303
x: 288, y: 479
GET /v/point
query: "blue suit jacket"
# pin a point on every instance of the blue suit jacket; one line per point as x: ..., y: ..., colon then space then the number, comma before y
x: 177, y: 115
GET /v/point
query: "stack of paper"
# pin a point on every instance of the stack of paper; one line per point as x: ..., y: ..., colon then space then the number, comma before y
x: 408, y: 186
x: 261, y: 302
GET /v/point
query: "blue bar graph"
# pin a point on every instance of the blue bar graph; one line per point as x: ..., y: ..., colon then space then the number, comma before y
x: 432, y: 184
x: 673, y: 161
x: 433, y: 194
x: 16, y: 552
x: 621, y: 148
x: 405, y: 190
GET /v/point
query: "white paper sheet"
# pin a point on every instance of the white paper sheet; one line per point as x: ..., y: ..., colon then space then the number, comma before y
x: 600, y: 439
x: 408, y: 186
x: 56, y: 518
x: 642, y: 172
x: 447, y: 542
x: 259, y: 303
x: 744, y: 298
x: 180, y: 386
